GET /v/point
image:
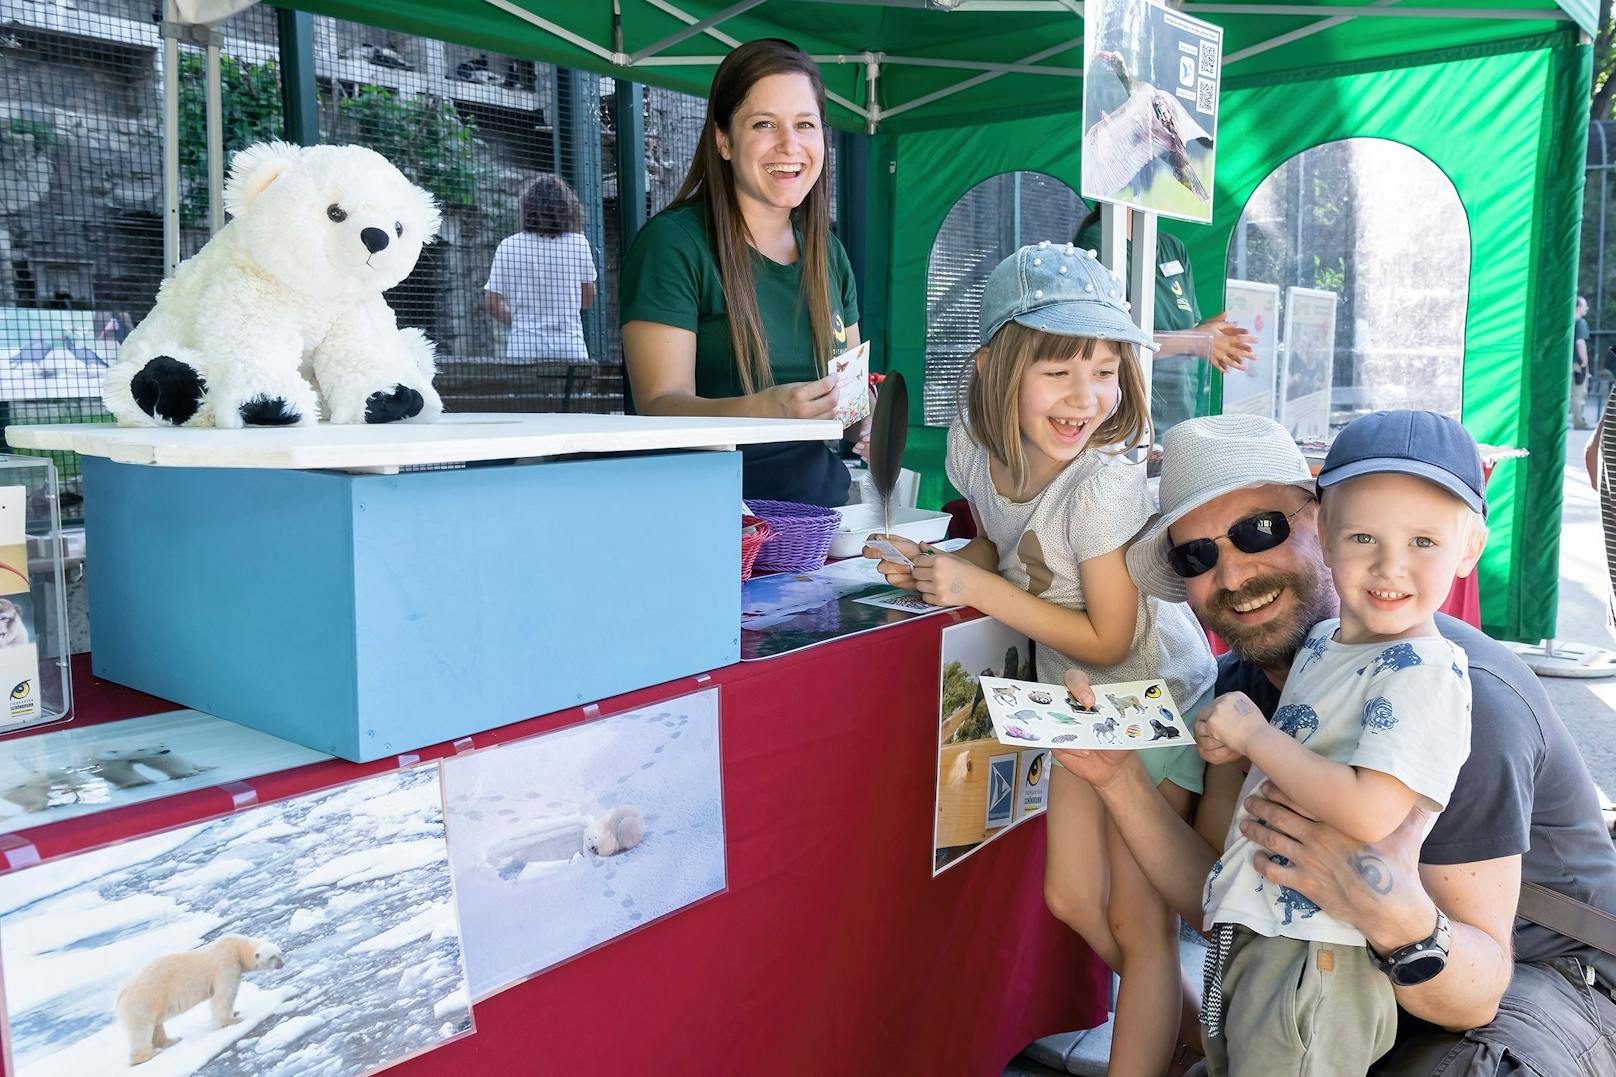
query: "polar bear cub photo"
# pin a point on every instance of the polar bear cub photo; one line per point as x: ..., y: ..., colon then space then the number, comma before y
x: 173, y: 983
x: 617, y: 831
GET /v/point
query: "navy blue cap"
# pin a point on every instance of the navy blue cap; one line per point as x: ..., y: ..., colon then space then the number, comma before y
x: 1429, y: 446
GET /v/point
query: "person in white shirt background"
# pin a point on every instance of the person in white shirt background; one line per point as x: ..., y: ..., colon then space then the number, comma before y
x: 543, y: 277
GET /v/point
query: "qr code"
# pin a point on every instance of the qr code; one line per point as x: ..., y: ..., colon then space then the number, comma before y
x: 1208, y: 66
x: 1206, y: 97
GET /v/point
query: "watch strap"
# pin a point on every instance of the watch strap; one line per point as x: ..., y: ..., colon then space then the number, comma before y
x: 1440, y: 938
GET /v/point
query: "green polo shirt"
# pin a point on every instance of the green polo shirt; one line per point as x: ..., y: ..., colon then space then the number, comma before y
x: 1176, y: 308
x: 670, y: 276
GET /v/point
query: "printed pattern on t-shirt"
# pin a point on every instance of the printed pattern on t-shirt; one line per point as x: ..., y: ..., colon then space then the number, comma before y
x: 1400, y: 708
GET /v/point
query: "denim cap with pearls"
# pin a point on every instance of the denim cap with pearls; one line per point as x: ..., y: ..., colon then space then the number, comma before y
x: 1060, y: 289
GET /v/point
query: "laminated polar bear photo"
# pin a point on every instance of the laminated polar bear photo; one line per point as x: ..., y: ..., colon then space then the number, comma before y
x: 279, y: 320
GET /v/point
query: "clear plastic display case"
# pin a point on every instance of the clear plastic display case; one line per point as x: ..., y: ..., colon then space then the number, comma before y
x: 34, y: 647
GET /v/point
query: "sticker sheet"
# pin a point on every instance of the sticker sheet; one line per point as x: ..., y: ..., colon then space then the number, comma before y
x: 314, y: 935
x: 1127, y: 715
x: 852, y: 370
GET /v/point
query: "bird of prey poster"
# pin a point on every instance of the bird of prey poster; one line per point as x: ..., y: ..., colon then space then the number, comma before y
x: 1150, y: 108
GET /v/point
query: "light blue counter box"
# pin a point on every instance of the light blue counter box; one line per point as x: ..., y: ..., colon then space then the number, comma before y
x: 369, y: 615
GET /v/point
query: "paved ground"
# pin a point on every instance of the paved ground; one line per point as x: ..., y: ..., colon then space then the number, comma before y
x: 1588, y: 707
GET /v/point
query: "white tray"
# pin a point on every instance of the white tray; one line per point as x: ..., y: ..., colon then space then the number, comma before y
x: 861, y: 521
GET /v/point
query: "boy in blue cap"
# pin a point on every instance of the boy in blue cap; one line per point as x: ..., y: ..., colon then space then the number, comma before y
x: 1374, y: 719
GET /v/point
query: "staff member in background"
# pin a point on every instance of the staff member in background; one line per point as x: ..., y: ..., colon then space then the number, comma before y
x: 543, y: 276
x: 1175, y: 379
x: 736, y: 296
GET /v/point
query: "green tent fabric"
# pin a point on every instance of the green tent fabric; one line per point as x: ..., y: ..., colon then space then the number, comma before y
x: 1512, y: 146
x: 906, y: 35
x: 1497, y: 103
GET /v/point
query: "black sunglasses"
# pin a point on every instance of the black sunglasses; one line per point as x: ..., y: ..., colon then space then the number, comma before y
x: 1254, y: 534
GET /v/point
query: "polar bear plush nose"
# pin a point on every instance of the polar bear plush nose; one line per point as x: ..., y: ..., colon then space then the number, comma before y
x: 374, y: 239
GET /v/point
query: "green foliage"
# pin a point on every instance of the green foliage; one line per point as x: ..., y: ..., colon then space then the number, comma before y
x: 424, y: 136
x: 42, y: 132
x: 250, y: 100
x: 958, y: 688
x: 1330, y: 278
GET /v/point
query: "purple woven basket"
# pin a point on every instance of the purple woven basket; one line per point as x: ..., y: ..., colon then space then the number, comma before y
x: 799, y: 535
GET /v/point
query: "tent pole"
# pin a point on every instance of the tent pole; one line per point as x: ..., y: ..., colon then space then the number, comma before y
x: 872, y: 87
x: 171, y: 138
x: 630, y: 107
x: 1286, y: 39
x: 693, y: 29
x: 730, y: 42
x: 215, y: 133
x: 947, y: 91
x: 1142, y: 292
x: 547, y: 26
x: 300, y: 100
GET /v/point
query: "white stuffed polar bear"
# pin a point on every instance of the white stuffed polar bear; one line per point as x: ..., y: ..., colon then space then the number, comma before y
x: 282, y: 310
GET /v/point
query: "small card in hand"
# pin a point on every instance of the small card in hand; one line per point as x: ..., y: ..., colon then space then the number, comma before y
x: 889, y: 552
x: 852, y: 370
x: 1126, y: 715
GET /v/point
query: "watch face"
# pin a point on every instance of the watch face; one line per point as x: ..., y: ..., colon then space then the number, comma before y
x: 1419, y: 969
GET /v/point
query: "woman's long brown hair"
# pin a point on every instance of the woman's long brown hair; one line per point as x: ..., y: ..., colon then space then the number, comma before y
x: 711, y: 179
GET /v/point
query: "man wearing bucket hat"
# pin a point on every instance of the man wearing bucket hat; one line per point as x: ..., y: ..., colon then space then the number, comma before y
x: 1237, y: 537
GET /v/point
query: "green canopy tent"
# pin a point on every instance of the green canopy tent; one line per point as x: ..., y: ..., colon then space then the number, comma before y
x: 955, y: 91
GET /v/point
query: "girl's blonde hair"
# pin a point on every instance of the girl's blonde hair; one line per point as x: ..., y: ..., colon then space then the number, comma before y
x: 992, y: 401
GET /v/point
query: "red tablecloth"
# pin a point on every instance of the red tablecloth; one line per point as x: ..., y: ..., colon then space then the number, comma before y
x: 833, y: 951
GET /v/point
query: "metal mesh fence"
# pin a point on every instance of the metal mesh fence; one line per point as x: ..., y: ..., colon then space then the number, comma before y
x: 985, y: 226
x: 515, y: 153
x: 519, y: 293
x: 81, y: 237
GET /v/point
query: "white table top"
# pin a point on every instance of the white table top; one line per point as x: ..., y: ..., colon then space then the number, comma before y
x: 386, y: 447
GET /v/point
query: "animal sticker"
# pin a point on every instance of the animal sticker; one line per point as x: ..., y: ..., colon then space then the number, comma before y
x: 1127, y: 715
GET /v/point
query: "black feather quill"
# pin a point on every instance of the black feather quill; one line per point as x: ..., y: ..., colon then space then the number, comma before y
x: 889, y: 429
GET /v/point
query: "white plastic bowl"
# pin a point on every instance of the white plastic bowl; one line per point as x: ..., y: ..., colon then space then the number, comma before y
x: 861, y: 521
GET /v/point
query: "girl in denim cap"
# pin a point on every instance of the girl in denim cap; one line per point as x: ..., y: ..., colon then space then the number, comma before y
x: 1055, y: 399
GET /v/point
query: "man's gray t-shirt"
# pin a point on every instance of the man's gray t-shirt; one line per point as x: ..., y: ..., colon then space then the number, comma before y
x: 1524, y: 790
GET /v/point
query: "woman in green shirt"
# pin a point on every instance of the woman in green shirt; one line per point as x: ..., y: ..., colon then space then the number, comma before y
x: 736, y: 296
x: 1176, y: 379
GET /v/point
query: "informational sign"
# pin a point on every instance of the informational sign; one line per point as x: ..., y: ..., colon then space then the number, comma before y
x: 1254, y: 307
x: 984, y: 789
x: 1309, y: 367
x: 1150, y: 107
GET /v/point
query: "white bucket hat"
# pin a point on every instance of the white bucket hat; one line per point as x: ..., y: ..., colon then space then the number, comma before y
x: 1204, y: 459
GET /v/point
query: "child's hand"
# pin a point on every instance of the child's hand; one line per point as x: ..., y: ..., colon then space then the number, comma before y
x: 895, y: 574
x: 1225, y: 727
x: 945, y: 580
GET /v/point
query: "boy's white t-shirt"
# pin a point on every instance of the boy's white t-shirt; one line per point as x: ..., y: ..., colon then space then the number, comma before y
x: 541, y: 279
x: 1399, y: 708
x: 1096, y: 505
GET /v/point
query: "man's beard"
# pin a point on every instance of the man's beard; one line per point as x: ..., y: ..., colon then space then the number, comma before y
x: 1275, y: 642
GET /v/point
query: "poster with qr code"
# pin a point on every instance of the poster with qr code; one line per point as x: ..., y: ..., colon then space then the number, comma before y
x: 1150, y: 108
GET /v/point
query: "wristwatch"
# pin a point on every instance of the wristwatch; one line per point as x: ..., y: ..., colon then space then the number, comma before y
x: 1418, y: 961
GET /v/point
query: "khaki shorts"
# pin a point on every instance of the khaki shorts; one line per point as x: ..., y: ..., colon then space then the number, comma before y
x: 1293, y: 1008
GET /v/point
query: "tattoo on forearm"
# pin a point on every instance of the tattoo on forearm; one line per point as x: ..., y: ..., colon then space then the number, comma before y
x: 1373, y: 871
